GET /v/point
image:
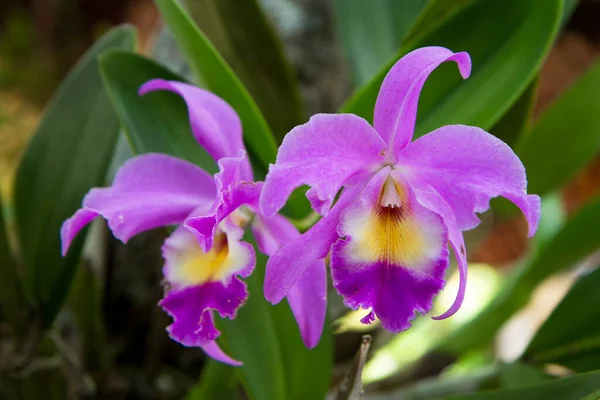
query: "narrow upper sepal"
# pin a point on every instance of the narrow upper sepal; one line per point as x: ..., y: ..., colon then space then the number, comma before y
x: 396, y: 107
x: 215, y: 124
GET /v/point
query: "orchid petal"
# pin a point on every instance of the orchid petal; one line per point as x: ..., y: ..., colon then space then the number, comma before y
x: 287, y: 265
x: 214, y: 123
x: 467, y: 167
x: 149, y: 191
x: 192, y: 309
x: 232, y: 193
x: 430, y: 199
x: 308, y: 296
x: 390, y: 257
x: 396, y: 107
x: 323, y: 153
x: 213, y: 350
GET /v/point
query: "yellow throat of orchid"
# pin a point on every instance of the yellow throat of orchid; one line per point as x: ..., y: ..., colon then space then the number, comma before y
x: 389, y: 232
x: 189, y: 265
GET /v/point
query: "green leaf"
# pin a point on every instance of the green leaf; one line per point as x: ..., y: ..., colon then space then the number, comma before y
x: 244, y: 37
x: 277, y: 365
x: 157, y: 121
x: 371, y: 31
x: 518, y: 375
x: 571, y: 335
x: 574, y: 387
x: 69, y: 154
x: 85, y: 302
x: 434, y: 14
x: 12, y: 303
x: 251, y: 337
x: 214, y: 73
x: 507, y: 41
x: 160, y: 123
x: 301, y: 364
x: 578, y: 238
x: 568, y: 133
x: 218, y: 381
x: 515, y: 122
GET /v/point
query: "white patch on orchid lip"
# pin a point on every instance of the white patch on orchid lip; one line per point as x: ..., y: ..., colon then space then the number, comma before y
x: 390, y: 196
x: 393, y: 232
x: 188, y: 265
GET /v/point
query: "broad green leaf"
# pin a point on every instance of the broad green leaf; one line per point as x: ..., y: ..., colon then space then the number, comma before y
x: 571, y: 335
x: 68, y: 155
x: 592, y: 396
x: 507, y: 41
x: 371, y: 31
x: 244, y: 37
x: 214, y: 73
x: 578, y: 238
x: 301, y: 364
x: 568, y: 134
x: 12, y: 304
x: 157, y: 121
x: 218, y: 381
x: 252, y: 338
x: 434, y: 14
x: 516, y: 120
x: 258, y: 325
x: 267, y: 339
x: 490, y: 377
x: 573, y: 387
x: 518, y: 375
x: 85, y: 303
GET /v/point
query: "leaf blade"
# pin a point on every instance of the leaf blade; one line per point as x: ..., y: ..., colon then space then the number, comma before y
x: 500, y: 37
x: 218, y: 77
x: 157, y: 121
x: 568, y: 133
x: 242, y: 34
x: 60, y: 170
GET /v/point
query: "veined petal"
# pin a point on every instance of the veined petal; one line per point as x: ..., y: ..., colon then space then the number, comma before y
x: 431, y: 200
x: 232, y: 193
x: 200, y: 283
x: 192, y: 310
x: 393, y: 253
x: 149, y: 191
x: 323, y: 153
x: 285, y: 267
x: 308, y: 296
x: 467, y: 167
x: 213, y: 350
x: 215, y: 124
x: 396, y: 107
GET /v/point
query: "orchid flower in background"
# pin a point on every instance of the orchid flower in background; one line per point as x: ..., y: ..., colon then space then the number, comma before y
x: 401, y: 203
x: 205, y: 257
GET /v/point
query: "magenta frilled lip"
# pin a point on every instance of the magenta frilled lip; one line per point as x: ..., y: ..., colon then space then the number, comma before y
x: 401, y: 202
x: 205, y: 257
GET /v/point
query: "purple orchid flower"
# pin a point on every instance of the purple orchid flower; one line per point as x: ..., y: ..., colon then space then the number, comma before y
x: 401, y: 202
x: 205, y: 257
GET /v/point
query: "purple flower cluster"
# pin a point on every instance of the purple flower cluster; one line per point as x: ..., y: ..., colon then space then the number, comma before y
x: 401, y: 205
